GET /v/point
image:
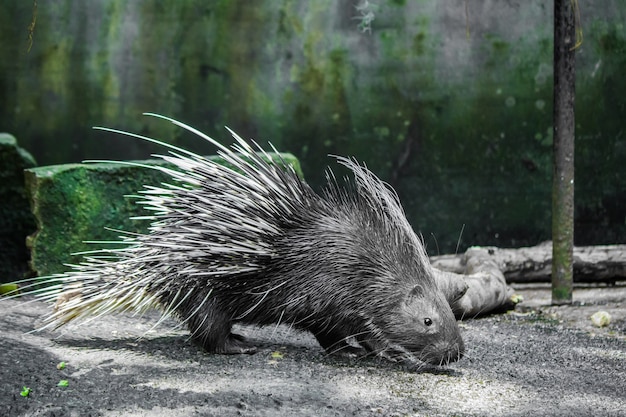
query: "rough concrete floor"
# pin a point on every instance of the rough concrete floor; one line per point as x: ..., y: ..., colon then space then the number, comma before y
x: 536, y: 361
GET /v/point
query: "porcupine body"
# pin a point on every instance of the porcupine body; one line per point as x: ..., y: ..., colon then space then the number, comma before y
x: 257, y: 245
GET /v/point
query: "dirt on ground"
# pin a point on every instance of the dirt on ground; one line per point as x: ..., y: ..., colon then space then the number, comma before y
x: 538, y: 360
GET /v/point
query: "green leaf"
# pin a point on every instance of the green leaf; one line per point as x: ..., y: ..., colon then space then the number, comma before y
x: 63, y: 383
x: 8, y: 289
x: 25, y: 392
x: 277, y: 355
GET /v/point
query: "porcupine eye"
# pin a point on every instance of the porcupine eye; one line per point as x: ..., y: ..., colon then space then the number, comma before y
x: 428, y: 321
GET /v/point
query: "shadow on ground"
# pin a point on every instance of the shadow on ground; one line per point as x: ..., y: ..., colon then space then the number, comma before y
x: 539, y: 360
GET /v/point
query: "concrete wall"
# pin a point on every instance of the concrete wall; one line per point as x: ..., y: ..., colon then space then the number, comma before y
x: 452, y: 107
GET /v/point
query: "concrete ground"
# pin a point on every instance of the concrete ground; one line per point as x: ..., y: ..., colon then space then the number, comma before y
x: 537, y: 361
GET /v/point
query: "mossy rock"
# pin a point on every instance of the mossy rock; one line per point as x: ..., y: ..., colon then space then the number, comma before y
x: 16, y: 220
x: 77, y: 204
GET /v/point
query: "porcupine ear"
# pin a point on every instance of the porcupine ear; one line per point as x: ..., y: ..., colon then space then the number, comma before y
x: 416, y: 291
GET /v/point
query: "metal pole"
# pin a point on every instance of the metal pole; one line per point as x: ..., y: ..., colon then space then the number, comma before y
x: 563, y: 174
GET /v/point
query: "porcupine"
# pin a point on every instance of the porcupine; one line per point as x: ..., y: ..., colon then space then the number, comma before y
x: 254, y: 244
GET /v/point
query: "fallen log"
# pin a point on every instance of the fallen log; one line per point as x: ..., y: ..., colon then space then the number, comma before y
x: 475, y: 282
x: 594, y: 264
x: 480, y: 289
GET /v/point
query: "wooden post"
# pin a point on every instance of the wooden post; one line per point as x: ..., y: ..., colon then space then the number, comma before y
x: 563, y: 174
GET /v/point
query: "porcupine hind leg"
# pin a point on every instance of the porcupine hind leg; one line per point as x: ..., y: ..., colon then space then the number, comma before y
x: 335, y: 342
x: 210, y: 328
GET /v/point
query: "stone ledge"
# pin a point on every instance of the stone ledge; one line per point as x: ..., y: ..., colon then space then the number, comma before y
x: 16, y: 221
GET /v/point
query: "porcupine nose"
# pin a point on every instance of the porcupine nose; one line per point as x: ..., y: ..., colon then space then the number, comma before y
x: 445, y: 353
x: 456, y: 351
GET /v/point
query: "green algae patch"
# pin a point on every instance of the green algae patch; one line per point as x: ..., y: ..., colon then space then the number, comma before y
x: 78, y: 205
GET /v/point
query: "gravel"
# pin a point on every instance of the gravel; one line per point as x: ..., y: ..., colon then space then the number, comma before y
x: 536, y: 361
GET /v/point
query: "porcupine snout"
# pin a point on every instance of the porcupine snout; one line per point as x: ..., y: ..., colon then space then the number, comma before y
x: 444, y: 352
x: 426, y: 328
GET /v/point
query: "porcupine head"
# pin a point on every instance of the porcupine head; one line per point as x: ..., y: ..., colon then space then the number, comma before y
x: 257, y: 245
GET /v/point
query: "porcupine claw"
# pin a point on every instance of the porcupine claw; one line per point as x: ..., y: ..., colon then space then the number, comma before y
x: 234, y: 344
x: 239, y: 344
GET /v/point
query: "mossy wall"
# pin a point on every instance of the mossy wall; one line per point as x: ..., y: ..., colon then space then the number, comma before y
x: 452, y: 108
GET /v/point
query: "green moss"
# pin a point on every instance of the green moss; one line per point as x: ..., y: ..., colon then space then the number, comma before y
x: 611, y: 39
x: 561, y: 296
x: 419, y: 43
x: 600, y: 139
x: 499, y: 46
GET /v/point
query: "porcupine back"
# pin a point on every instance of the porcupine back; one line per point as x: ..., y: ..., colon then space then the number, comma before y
x: 255, y: 244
